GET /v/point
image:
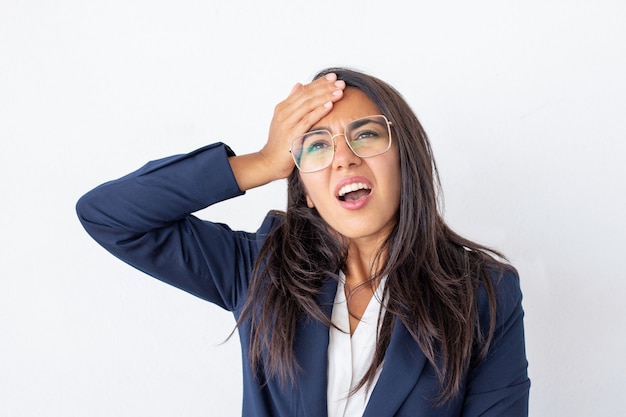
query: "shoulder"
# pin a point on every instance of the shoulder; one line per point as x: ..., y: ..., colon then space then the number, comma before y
x: 504, y: 281
x: 500, y: 310
x: 508, y: 293
x: 272, y: 222
x: 498, y: 384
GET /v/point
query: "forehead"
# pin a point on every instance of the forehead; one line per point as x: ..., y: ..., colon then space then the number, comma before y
x: 353, y: 105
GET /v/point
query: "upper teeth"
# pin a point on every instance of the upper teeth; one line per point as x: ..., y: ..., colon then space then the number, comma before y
x: 352, y: 187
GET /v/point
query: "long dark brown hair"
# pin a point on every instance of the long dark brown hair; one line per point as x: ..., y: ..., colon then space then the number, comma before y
x: 433, y: 274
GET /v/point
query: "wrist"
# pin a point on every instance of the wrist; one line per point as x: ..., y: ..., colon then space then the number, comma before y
x: 253, y: 170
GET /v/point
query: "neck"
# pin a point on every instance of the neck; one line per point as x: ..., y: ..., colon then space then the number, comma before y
x: 362, y: 263
x: 360, y: 266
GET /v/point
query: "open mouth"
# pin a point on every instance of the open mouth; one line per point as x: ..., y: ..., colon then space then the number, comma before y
x: 354, y: 191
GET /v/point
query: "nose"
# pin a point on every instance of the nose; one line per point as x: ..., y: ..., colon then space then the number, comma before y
x: 344, y: 157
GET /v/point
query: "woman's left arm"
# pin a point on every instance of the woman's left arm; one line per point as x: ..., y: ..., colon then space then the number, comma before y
x: 499, y: 384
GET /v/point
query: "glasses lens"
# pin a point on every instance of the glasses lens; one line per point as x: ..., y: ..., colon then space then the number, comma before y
x: 369, y: 136
x: 312, y: 151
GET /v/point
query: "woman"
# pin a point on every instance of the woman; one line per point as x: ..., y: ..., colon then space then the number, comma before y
x: 358, y: 300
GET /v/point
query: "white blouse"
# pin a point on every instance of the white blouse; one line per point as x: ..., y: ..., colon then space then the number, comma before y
x: 349, y: 358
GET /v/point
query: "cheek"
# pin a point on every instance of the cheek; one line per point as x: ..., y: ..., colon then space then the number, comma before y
x: 396, y: 185
x: 312, y: 185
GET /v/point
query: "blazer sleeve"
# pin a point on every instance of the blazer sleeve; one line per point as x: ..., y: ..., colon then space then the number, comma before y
x: 499, y: 385
x: 144, y: 218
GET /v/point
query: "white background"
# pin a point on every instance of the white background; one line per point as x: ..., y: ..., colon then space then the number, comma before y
x: 525, y: 103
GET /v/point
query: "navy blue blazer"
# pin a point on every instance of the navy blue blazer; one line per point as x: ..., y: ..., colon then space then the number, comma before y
x: 145, y: 219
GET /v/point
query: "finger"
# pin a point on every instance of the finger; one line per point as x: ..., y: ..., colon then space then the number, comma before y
x: 319, y: 92
x: 309, y: 98
x: 295, y: 88
x: 304, y: 107
x: 308, y: 112
x: 316, y: 114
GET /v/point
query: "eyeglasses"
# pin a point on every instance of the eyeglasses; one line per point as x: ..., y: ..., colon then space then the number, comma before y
x: 366, y: 137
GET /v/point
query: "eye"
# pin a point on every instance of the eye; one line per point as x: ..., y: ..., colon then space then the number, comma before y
x: 316, y: 146
x: 315, y: 142
x: 366, y: 130
x: 366, y: 134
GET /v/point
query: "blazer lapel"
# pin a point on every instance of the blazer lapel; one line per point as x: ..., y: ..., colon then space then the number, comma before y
x: 403, y: 365
x: 311, y: 351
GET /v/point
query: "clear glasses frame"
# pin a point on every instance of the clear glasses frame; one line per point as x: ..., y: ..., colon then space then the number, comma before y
x: 364, y: 136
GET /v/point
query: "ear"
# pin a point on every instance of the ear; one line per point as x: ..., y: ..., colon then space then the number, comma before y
x: 309, y: 202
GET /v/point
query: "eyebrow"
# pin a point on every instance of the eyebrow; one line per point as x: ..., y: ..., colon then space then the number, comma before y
x: 360, y: 122
x: 318, y: 129
x: 367, y: 120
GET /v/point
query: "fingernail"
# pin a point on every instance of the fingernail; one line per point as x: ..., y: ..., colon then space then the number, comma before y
x: 331, y: 77
x: 340, y: 83
x: 328, y: 105
x: 337, y: 92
